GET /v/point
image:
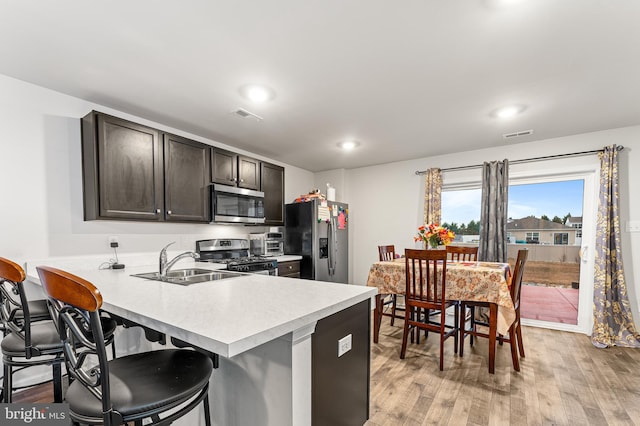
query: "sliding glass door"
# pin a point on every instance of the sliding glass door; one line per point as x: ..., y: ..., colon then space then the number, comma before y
x: 552, y: 214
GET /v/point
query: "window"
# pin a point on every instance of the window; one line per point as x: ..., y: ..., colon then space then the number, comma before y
x: 533, y: 237
x: 461, y: 213
x: 578, y: 226
x: 561, y: 238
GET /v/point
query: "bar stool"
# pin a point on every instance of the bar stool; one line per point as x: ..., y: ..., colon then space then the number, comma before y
x: 132, y: 388
x: 26, y: 342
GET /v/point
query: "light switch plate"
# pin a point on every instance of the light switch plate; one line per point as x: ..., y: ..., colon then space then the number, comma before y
x: 633, y: 226
x: 344, y: 345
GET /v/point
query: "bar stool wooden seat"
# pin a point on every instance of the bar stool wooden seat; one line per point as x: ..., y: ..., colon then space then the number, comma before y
x: 134, y: 388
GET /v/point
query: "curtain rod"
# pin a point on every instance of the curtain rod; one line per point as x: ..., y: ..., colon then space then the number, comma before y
x: 526, y: 160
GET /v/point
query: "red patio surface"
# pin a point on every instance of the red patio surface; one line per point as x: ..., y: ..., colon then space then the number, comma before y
x: 555, y: 304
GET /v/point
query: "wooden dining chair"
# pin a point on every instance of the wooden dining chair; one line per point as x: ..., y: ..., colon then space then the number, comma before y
x: 515, y: 332
x: 426, y: 278
x: 388, y: 253
x: 133, y: 388
x: 462, y: 253
x: 516, y: 289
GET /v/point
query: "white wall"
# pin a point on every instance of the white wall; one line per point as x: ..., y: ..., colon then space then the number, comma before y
x: 41, y: 185
x: 385, y: 201
x: 337, y: 179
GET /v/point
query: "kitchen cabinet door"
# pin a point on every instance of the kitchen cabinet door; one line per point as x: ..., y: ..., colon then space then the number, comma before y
x: 272, y: 184
x: 229, y: 168
x: 224, y: 166
x: 186, y: 171
x: 248, y: 173
x: 122, y: 169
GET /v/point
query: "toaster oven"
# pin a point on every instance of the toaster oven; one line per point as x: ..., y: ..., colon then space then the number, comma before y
x: 267, y: 244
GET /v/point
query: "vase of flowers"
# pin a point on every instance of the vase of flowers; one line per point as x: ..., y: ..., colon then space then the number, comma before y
x: 434, y: 235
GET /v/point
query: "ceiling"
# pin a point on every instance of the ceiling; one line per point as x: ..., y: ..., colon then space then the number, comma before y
x: 408, y: 79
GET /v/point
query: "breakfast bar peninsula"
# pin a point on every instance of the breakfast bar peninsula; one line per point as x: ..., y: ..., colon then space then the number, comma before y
x: 291, y: 352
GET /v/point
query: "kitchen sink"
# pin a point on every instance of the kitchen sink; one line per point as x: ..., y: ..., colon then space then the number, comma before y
x: 188, y: 276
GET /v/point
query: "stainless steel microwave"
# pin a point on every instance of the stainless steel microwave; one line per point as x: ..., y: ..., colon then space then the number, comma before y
x: 236, y: 205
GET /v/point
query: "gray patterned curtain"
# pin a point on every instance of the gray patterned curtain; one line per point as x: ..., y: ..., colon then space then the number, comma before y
x: 612, y: 320
x: 493, y: 212
x: 433, y: 196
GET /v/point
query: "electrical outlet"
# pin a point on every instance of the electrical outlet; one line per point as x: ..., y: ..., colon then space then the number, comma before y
x: 344, y: 345
x: 113, y: 240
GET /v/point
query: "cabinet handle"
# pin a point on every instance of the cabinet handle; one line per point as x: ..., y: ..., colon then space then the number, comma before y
x: 168, y: 211
x: 241, y: 180
x: 290, y: 267
x: 157, y: 210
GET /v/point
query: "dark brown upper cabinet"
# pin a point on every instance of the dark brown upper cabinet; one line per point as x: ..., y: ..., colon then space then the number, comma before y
x: 122, y: 169
x: 229, y: 168
x: 272, y: 184
x: 186, y: 174
x: 134, y: 172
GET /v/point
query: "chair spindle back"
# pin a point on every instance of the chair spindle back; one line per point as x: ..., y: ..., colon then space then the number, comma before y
x: 386, y: 253
x: 516, y: 280
x: 462, y: 254
x: 426, y: 275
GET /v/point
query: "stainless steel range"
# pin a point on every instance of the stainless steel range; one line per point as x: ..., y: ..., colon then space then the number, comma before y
x: 234, y: 252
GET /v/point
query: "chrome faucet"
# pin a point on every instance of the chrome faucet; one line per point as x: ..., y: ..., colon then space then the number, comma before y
x: 164, y: 266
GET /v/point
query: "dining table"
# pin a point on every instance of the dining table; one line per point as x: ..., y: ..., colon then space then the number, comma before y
x: 465, y: 281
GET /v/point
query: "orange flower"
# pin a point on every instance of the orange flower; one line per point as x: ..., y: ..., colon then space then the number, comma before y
x: 434, y: 235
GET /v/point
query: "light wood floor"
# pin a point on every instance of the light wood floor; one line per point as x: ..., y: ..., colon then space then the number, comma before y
x: 563, y: 380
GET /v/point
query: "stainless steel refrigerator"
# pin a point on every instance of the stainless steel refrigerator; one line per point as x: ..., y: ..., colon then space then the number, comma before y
x: 319, y: 233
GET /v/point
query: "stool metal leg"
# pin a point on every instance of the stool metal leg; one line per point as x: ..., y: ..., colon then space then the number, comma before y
x: 57, y: 382
x: 7, y: 384
x: 207, y: 414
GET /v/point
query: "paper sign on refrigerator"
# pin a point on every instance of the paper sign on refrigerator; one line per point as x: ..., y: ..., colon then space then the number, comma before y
x: 324, y: 214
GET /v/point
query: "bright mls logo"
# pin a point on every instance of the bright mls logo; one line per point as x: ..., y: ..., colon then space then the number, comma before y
x: 34, y: 414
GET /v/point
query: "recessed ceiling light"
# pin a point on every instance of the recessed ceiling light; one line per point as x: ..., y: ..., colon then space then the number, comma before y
x: 508, y: 111
x: 257, y: 93
x: 348, y: 145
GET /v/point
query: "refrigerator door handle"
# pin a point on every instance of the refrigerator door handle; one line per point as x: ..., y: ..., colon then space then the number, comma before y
x: 334, y: 229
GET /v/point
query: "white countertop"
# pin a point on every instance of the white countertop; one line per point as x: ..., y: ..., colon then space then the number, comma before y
x: 227, y: 316
x: 288, y: 258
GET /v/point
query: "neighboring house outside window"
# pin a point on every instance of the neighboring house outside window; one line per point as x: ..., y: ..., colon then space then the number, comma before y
x: 532, y: 230
x: 561, y: 238
x: 576, y: 222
